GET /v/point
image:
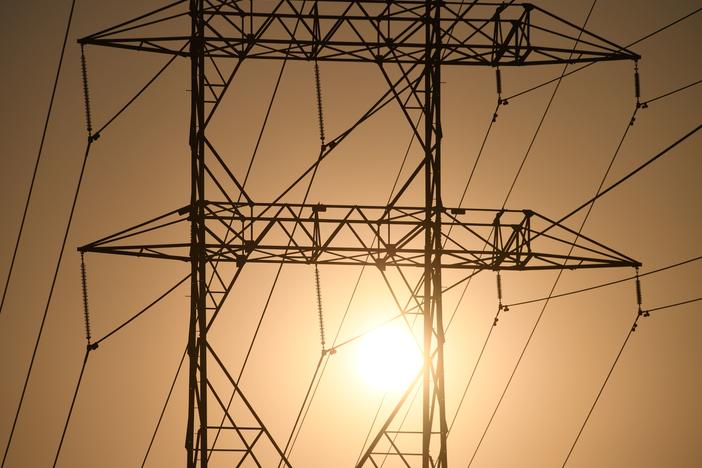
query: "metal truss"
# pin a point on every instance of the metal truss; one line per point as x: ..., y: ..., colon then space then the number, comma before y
x: 410, y: 41
x: 470, y: 33
x: 380, y: 236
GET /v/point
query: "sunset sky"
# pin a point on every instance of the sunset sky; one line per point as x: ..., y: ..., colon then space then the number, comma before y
x: 649, y: 412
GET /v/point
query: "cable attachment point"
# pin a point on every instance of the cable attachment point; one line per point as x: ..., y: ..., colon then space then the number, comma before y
x: 86, y: 94
x: 86, y: 314
x: 318, y: 287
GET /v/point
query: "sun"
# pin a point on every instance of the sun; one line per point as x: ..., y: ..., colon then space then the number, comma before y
x: 389, y: 358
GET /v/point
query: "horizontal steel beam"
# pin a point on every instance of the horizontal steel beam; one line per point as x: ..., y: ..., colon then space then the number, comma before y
x: 483, y: 34
x: 475, y: 239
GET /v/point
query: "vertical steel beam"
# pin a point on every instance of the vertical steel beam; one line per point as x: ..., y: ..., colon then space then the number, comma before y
x: 433, y: 397
x: 431, y: 184
x: 428, y: 234
x: 196, y: 438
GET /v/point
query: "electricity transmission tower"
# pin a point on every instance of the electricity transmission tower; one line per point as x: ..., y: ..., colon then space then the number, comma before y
x: 410, y: 42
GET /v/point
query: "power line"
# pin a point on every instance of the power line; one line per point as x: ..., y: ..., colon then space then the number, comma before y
x: 70, y: 409
x: 140, y: 92
x: 602, y: 387
x: 630, y: 174
x: 670, y: 93
x: 677, y: 304
x: 663, y: 28
x: 163, y: 410
x: 143, y: 310
x: 48, y: 302
x: 609, y: 283
x: 38, y: 159
x: 642, y: 313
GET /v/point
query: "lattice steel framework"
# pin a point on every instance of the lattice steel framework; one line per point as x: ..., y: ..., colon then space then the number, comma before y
x: 410, y: 41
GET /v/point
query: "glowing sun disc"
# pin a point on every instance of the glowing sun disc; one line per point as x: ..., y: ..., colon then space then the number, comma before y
x: 389, y: 358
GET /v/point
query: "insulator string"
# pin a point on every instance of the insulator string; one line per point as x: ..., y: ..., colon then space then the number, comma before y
x: 84, y: 284
x: 318, y: 287
x: 86, y: 92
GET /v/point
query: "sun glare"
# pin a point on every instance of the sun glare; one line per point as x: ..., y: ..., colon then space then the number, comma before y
x: 389, y: 358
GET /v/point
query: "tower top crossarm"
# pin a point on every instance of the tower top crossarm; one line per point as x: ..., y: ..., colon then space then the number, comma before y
x: 472, y: 33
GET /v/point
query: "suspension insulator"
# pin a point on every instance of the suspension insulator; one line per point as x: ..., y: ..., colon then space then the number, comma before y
x: 639, y: 300
x: 637, y: 84
x: 320, y: 112
x: 84, y: 283
x: 498, y: 81
x: 86, y: 94
x: 319, y: 307
x: 499, y: 290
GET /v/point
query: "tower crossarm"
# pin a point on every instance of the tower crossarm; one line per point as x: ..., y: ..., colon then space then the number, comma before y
x: 474, y: 239
x: 472, y: 33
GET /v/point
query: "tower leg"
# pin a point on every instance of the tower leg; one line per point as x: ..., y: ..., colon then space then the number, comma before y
x: 196, y: 437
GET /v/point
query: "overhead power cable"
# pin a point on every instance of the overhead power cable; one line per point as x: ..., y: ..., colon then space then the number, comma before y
x: 670, y: 93
x: 640, y: 313
x: 163, y: 409
x: 475, y: 367
x: 631, y: 174
x: 48, y: 303
x: 597, y: 286
x: 73, y: 403
x: 632, y: 329
x: 141, y: 91
x: 663, y: 28
x: 143, y: 310
x: 38, y: 158
x: 677, y: 304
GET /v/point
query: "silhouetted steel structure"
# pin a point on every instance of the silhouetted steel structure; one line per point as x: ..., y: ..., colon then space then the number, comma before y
x: 410, y: 41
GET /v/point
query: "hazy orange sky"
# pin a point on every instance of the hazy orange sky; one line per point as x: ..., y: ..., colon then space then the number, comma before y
x: 649, y: 413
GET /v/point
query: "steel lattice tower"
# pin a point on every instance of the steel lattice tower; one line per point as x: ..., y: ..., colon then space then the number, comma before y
x: 410, y: 41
